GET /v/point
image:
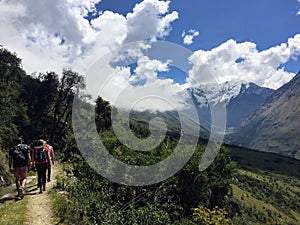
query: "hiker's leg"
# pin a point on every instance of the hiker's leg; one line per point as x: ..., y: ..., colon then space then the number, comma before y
x: 49, y: 171
x: 44, y: 175
x: 23, y: 175
x: 39, y: 173
x: 17, y: 179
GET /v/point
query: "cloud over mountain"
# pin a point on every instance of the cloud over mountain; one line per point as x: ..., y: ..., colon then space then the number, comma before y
x: 232, y: 61
x: 52, y: 35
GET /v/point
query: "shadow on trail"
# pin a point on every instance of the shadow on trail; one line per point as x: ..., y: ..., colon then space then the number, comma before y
x: 9, y: 197
x: 31, y: 192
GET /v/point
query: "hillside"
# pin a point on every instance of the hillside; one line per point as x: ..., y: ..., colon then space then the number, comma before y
x: 233, y: 194
x: 275, y: 126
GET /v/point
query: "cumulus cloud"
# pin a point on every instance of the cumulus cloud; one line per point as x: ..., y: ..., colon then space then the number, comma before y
x: 51, y: 35
x: 189, y: 36
x: 140, y: 90
x: 242, y: 61
x: 158, y: 95
x: 47, y: 35
x: 147, y: 69
x: 149, y: 20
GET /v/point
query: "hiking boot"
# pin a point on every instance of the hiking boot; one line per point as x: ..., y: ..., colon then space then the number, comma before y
x: 21, y: 192
x: 44, y: 188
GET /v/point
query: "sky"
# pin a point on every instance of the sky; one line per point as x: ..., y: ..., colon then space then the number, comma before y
x: 255, y: 41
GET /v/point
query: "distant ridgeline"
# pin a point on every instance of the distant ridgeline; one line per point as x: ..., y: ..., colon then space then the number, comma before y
x: 275, y: 126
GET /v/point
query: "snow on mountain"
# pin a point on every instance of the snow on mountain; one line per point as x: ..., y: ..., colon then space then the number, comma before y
x: 241, y: 99
x: 215, y: 93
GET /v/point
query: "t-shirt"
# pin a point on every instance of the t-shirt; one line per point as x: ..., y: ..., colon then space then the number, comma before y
x: 19, y: 154
x: 50, y: 149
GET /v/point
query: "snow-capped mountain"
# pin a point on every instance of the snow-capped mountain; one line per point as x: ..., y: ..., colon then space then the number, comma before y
x: 241, y: 99
x: 275, y: 126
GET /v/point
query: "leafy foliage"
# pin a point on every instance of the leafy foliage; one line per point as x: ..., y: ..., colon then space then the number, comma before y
x: 216, y: 216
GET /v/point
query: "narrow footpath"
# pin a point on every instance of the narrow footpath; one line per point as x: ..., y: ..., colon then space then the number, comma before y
x: 39, y: 205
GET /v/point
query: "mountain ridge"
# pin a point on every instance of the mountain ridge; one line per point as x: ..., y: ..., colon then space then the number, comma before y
x: 240, y: 97
x: 274, y: 127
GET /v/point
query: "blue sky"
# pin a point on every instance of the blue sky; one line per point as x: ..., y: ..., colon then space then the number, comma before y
x: 255, y: 41
x: 265, y: 22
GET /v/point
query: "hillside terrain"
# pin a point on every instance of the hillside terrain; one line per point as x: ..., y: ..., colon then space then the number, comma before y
x: 275, y: 126
x: 240, y: 186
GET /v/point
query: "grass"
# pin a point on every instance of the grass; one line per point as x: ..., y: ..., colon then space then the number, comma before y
x: 257, y: 194
x: 248, y: 201
x: 14, y: 212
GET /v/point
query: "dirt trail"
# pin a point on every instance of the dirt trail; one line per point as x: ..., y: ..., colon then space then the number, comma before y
x: 39, y: 205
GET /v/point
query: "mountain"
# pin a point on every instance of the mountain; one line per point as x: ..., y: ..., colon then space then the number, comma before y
x: 275, y: 126
x: 241, y: 99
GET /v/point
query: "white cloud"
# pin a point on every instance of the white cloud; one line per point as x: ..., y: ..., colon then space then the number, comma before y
x: 147, y: 69
x: 189, y: 36
x: 149, y: 20
x: 157, y: 95
x: 123, y: 89
x: 242, y: 61
x: 51, y: 35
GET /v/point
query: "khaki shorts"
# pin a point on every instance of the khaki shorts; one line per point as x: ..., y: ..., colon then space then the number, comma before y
x: 21, y: 172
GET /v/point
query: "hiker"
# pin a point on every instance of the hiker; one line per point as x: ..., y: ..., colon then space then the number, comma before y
x: 41, y: 157
x: 19, y: 163
x: 51, y: 152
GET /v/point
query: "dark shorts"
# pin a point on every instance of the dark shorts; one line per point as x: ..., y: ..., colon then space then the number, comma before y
x: 21, y: 172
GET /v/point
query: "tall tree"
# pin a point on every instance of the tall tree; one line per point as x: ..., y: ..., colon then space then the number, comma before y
x: 12, y: 109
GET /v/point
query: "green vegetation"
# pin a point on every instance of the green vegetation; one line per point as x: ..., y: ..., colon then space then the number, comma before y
x: 267, y: 197
x: 261, y: 188
x: 252, y: 160
x: 14, y: 212
x: 162, y: 203
x: 216, y: 216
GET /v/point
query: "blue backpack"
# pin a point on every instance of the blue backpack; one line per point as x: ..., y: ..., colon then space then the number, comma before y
x: 41, y: 154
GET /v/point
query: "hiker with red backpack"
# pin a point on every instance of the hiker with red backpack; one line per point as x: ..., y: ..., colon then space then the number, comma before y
x: 41, y: 157
x: 19, y: 163
x: 51, y: 152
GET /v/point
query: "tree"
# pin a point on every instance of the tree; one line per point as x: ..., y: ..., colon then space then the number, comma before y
x: 103, y: 114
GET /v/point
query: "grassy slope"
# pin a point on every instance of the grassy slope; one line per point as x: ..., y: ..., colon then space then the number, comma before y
x: 267, y: 198
x: 252, y: 160
x: 267, y: 187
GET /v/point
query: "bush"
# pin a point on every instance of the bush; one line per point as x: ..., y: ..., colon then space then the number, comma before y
x: 205, y: 216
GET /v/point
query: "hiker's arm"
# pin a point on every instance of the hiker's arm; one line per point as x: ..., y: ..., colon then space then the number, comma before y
x: 48, y: 156
x: 52, y: 156
x: 32, y: 156
x: 29, y: 159
x: 10, y: 163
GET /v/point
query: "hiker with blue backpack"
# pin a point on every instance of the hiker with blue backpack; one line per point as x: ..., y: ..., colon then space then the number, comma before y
x: 19, y: 163
x: 41, y: 157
